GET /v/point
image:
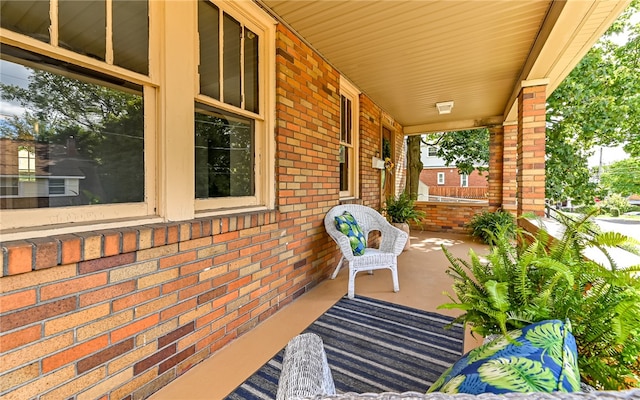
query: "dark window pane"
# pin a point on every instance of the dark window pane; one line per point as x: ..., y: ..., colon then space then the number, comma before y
x: 62, y: 127
x: 224, y: 152
x: 231, y: 58
x: 56, y: 186
x: 83, y: 27
x: 344, y: 168
x: 131, y: 35
x: 27, y: 17
x: 251, y: 71
x: 209, y: 32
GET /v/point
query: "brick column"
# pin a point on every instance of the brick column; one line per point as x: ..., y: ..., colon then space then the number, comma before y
x: 496, y: 145
x: 509, y: 166
x: 530, y: 177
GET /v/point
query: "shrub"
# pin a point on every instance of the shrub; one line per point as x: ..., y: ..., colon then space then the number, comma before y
x: 543, y: 278
x: 615, y: 205
x: 401, y: 209
x: 487, y: 224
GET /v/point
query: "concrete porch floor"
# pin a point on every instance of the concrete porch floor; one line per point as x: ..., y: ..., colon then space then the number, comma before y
x: 422, y: 279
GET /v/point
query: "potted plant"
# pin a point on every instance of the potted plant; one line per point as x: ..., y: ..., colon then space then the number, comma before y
x: 538, y: 278
x: 400, y: 210
x: 485, y: 224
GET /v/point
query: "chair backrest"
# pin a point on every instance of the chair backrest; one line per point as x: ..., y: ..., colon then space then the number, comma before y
x: 368, y: 218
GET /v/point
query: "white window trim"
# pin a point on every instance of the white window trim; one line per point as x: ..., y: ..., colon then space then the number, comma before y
x: 26, y: 223
x: 255, y: 19
x: 440, y: 178
x: 351, y: 92
x: 464, y: 180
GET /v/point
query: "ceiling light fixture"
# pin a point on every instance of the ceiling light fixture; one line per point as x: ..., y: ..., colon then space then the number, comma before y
x: 444, y: 107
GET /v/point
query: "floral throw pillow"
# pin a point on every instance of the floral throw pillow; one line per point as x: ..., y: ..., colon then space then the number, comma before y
x: 348, y: 225
x: 542, y: 358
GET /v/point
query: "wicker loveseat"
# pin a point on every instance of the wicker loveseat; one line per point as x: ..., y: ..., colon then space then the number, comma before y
x: 306, y: 375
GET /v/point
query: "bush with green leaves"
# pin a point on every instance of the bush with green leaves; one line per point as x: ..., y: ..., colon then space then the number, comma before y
x: 615, y: 205
x: 486, y: 225
x: 536, y: 278
x: 401, y: 209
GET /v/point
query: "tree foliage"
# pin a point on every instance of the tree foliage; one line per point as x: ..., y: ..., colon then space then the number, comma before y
x: 622, y: 177
x: 598, y: 104
x: 467, y: 150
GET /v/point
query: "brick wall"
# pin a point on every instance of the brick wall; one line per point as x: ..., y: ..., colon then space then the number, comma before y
x: 120, y: 313
x: 447, y: 217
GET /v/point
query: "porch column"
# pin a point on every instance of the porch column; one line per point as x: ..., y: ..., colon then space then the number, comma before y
x: 509, y: 166
x: 496, y: 149
x: 530, y: 175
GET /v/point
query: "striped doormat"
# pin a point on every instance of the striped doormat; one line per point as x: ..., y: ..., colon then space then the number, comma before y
x: 373, y: 346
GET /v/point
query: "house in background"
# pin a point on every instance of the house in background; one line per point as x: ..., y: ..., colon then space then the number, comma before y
x: 225, y: 131
x: 439, y: 182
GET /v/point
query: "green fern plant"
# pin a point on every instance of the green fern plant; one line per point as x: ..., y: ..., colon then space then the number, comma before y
x: 401, y: 209
x: 536, y: 277
x: 484, y: 225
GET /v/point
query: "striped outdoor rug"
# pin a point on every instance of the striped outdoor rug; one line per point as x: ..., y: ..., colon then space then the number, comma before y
x: 373, y: 346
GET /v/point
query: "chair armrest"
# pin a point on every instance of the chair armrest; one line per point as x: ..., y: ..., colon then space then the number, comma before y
x: 393, y: 239
x: 305, y: 370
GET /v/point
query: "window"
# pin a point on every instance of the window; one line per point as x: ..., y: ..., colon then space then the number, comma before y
x: 464, y: 180
x: 82, y: 27
x: 349, y: 111
x: 64, y: 129
x: 26, y: 163
x: 236, y: 83
x: 224, y: 154
x: 233, y: 167
x: 432, y: 151
x: 8, y: 186
x: 73, y: 107
x: 56, y: 186
x: 440, y: 178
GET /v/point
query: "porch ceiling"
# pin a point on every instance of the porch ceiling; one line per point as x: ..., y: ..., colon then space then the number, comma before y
x: 409, y: 55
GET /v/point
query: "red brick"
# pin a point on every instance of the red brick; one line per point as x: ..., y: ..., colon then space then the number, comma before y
x: 138, y: 297
x: 111, y: 242
x: 156, y: 358
x: 37, y: 313
x: 103, y: 356
x: 173, y: 361
x: 19, y: 257
x: 70, y: 248
x: 107, y: 293
x: 73, y: 353
x: 212, y: 294
x: 72, y: 286
x: 19, y: 338
x: 176, y: 334
x: 86, y: 267
x: 129, y: 240
x: 46, y: 252
x: 134, y: 328
x: 17, y: 300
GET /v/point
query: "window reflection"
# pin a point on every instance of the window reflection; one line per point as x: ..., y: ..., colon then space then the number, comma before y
x: 65, y: 139
x: 224, y: 154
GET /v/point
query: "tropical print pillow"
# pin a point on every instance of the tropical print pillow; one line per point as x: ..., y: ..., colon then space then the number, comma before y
x: 349, y: 226
x: 541, y: 357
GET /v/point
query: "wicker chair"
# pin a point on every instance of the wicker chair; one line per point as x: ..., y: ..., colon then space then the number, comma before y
x: 386, y: 256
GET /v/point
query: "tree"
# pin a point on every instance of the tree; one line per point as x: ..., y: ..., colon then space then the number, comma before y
x: 622, y: 177
x: 414, y: 166
x: 467, y: 150
x: 598, y: 104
